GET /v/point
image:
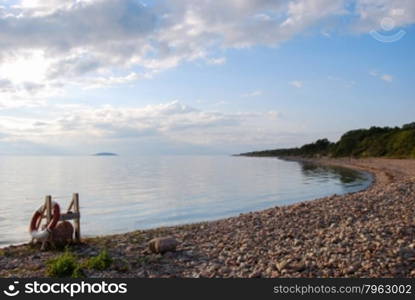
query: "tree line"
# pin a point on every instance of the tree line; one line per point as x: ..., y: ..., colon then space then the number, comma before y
x: 391, y: 142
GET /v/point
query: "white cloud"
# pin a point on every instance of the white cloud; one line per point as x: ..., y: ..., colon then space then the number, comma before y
x: 374, y: 73
x: 48, y: 45
x: 326, y: 33
x: 297, y: 84
x: 303, y: 13
x: 384, y: 14
x: 104, y: 41
x: 384, y: 77
x: 387, y: 78
x: 255, y: 93
x: 344, y: 82
x: 78, y: 126
x: 100, y: 82
x: 217, y: 61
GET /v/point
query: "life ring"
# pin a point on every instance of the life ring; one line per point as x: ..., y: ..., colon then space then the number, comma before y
x: 43, y: 233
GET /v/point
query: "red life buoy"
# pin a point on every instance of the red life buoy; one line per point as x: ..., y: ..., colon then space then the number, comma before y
x: 38, y: 233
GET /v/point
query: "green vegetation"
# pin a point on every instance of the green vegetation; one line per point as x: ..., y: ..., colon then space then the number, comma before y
x: 68, y: 265
x: 100, y: 262
x: 397, y: 142
x: 64, y: 265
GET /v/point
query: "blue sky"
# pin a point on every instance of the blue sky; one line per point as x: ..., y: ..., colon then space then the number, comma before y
x: 86, y: 76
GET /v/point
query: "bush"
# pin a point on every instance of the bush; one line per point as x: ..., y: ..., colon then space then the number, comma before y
x: 64, y: 265
x: 100, y: 262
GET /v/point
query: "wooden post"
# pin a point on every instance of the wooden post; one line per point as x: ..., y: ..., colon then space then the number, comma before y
x: 48, y: 204
x: 77, y: 222
x: 70, y: 205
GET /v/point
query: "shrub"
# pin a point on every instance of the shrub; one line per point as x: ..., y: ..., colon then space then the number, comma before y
x: 100, y: 262
x: 64, y: 265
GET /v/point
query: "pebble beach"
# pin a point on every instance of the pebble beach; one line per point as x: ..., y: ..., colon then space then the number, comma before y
x: 365, y: 234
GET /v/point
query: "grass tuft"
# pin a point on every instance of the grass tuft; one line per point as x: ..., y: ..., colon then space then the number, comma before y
x: 65, y: 265
x: 100, y: 262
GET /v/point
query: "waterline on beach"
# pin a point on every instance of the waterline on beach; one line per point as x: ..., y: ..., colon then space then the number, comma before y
x: 121, y: 194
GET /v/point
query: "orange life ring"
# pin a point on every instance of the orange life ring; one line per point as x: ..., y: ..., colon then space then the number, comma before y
x: 34, y: 229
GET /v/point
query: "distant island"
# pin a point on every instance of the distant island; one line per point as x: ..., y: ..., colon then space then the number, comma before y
x: 105, y: 154
x: 396, y: 142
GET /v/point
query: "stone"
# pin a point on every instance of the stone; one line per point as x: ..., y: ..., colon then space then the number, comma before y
x: 298, y: 267
x: 162, y: 245
x: 62, y: 234
x: 282, y: 265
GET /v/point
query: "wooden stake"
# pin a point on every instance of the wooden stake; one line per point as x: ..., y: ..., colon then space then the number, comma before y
x: 77, y: 222
x: 70, y: 205
x: 48, y: 204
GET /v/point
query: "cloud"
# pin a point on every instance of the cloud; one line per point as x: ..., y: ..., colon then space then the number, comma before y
x: 374, y: 73
x: 53, y: 42
x: 384, y: 77
x: 297, y: 84
x: 82, y: 126
x: 344, y: 82
x: 217, y: 61
x: 376, y: 14
x: 387, y: 78
x: 256, y: 93
x: 100, y: 82
x: 48, y: 45
x: 303, y: 13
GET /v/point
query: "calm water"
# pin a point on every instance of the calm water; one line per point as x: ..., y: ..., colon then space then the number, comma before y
x: 120, y: 194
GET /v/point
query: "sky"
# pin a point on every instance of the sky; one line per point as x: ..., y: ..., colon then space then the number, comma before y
x: 200, y: 77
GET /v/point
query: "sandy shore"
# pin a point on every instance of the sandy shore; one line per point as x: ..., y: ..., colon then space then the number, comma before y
x: 365, y: 234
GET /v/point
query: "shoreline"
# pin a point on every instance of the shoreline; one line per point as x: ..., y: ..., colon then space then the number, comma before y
x: 362, y: 234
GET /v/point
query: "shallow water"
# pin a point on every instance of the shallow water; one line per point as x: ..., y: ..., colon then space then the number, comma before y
x: 120, y: 194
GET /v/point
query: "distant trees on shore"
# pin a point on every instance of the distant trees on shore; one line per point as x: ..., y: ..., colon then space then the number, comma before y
x: 396, y: 142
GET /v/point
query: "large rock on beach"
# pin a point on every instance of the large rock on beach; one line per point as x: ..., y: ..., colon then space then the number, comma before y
x: 162, y: 245
x: 62, y: 234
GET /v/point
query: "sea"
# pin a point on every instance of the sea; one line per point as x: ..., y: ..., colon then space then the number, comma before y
x: 121, y: 194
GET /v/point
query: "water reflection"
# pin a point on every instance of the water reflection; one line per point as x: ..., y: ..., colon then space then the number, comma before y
x: 346, y: 176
